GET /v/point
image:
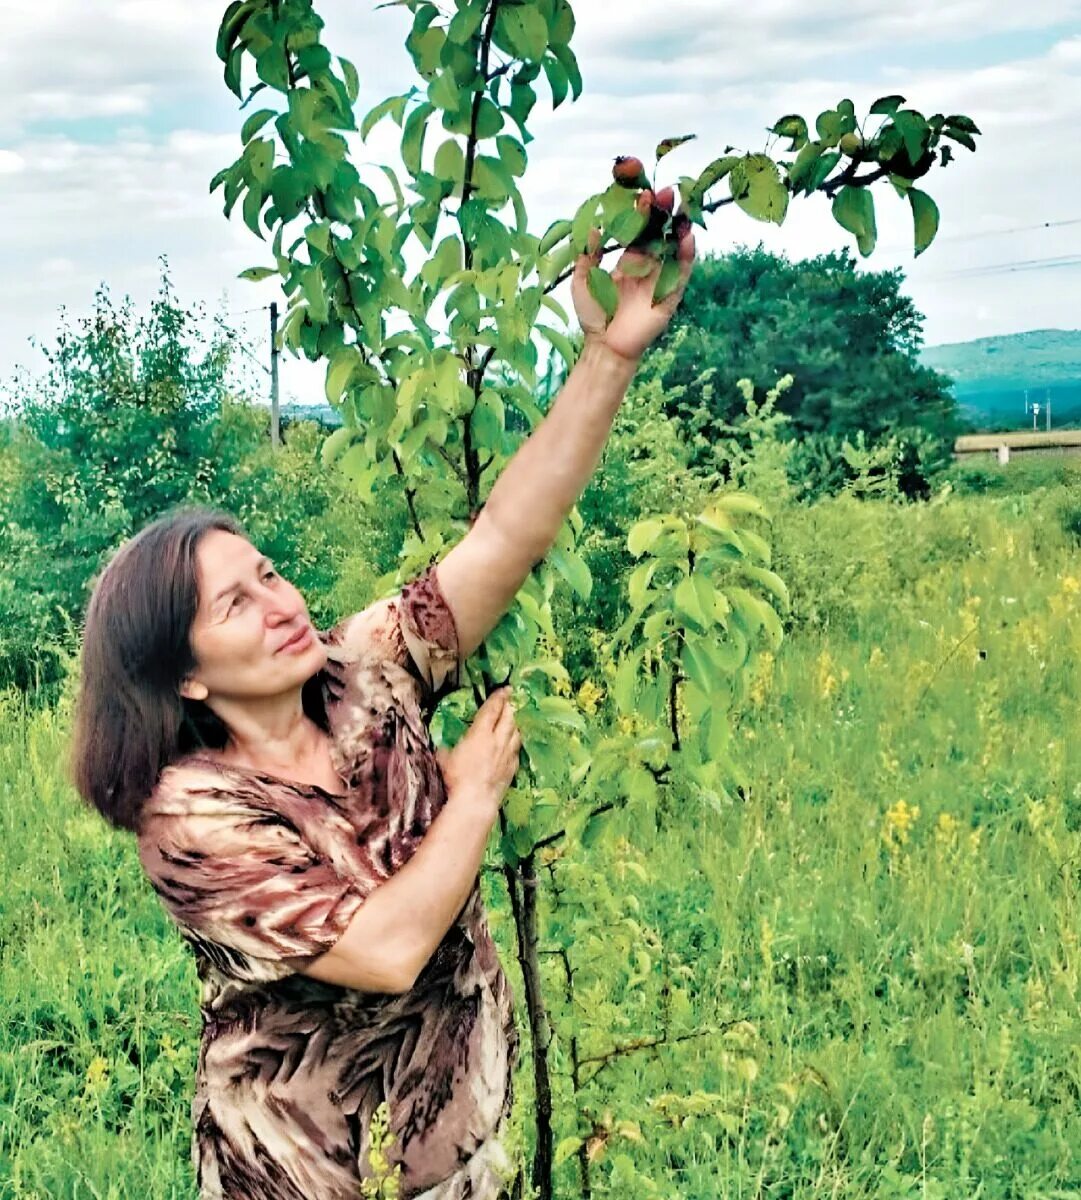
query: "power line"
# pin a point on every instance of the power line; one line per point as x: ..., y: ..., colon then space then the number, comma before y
x: 1023, y: 264
x: 962, y: 237
x: 235, y: 340
x: 1033, y: 264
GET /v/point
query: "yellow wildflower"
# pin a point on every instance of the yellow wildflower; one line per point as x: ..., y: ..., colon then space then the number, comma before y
x: 899, y: 820
x: 589, y: 695
x: 946, y: 829
x: 763, y: 678
x: 828, y: 678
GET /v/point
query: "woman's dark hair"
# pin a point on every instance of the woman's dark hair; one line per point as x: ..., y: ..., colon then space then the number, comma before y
x: 130, y: 718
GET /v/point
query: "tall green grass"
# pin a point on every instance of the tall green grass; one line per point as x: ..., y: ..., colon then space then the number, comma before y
x: 885, y: 932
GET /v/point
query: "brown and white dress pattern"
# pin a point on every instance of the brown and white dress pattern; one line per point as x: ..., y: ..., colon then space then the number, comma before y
x: 262, y: 875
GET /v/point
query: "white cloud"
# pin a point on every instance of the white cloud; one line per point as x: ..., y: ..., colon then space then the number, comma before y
x: 86, y: 211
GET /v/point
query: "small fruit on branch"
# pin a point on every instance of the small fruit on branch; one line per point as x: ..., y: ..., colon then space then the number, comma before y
x: 650, y: 205
x: 666, y: 199
x: 628, y: 172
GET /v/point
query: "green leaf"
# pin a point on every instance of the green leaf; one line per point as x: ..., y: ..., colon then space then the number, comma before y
x: 259, y: 157
x: 255, y: 274
x: 513, y: 155
x: 961, y: 137
x: 669, y: 144
x: 628, y: 225
x: 603, y: 289
x: 557, y: 231
x: 740, y: 502
x: 339, y: 373
x: 751, y: 543
x: 314, y: 289
x: 558, y: 711
x: 638, y: 583
x: 557, y: 80
x: 393, y: 106
x: 252, y: 207
x: 925, y: 218
x: 232, y: 22
x: 886, y: 106
x: 335, y: 446
x: 444, y: 91
x: 626, y: 677
x: 232, y: 70
x: 854, y: 210
x: 715, y: 172
x: 526, y: 30
x: 352, y: 79
x: 772, y: 582
x: 465, y: 22
x: 488, y: 420
x: 685, y: 597
x: 389, y: 172
x: 667, y: 281
x: 965, y: 124
x: 561, y: 342
x: 569, y: 63
x: 756, y: 186
x: 413, y: 137
x: 566, y: 1147
x: 642, y: 535
x: 696, y: 666
x: 794, y: 127
x: 449, y: 163
x: 574, y: 570
x: 255, y: 122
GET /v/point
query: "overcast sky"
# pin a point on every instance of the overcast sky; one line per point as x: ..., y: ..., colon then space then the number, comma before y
x: 115, y: 117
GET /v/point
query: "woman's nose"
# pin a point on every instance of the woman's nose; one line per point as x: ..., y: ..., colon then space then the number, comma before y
x: 281, y: 609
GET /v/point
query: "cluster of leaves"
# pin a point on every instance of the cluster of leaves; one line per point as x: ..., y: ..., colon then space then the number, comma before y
x: 135, y: 415
x: 849, y: 339
x: 435, y: 376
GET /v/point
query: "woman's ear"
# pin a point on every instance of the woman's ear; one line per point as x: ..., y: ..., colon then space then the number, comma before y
x: 193, y: 691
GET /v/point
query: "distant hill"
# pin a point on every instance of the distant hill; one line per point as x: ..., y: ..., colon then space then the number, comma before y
x: 990, y: 378
x: 992, y: 375
x: 321, y: 413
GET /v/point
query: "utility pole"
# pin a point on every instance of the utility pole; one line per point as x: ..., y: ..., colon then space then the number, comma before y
x: 275, y: 432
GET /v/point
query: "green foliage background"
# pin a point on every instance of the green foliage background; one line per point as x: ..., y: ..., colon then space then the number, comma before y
x: 860, y: 979
x: 882, y: 937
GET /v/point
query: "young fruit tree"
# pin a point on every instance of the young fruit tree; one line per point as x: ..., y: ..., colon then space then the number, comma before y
x: 435, y: 375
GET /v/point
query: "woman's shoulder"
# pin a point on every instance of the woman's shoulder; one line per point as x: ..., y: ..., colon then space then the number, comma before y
x: 373, y: 631
x: 192, y: 785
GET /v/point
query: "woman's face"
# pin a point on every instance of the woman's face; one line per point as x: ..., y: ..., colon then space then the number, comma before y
x: 246, y: 615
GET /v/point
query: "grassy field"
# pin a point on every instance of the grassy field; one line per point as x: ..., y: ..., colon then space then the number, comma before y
x: 885, y: 933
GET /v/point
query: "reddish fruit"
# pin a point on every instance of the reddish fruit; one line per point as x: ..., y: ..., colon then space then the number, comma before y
x: 644, y: 202
x: 666, y: 199
x: 681, y: 226
x: 629, y: 172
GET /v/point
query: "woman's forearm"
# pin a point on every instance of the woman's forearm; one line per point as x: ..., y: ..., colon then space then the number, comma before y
x: 541, y: 483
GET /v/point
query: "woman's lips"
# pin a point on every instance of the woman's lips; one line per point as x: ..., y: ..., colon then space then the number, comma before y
x: 297, y: 642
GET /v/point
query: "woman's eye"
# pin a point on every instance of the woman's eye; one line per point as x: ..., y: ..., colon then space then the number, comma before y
x: 270, y: 575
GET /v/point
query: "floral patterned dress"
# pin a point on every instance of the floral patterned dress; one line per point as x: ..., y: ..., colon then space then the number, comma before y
x: 263, y: 875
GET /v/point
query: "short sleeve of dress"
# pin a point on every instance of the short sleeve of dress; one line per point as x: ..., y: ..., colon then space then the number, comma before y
x: 416, y: 629
x: 246, y: 887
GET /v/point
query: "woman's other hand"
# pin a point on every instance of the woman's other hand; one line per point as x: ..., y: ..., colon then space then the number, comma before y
x: 485, y: 760
x: 637, y: 321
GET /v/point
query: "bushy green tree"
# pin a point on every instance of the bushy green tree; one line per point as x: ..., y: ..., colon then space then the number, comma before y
x: 850, y: 340
x: 136, y: 414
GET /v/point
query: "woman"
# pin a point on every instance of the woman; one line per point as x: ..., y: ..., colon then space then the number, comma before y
x: 317, y: 853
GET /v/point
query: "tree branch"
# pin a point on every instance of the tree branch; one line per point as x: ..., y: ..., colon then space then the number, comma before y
x: 647, y: 1044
